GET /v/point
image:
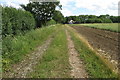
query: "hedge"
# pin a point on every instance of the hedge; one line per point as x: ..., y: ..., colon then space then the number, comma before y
x: 51, y: 22
x: 16, y: 21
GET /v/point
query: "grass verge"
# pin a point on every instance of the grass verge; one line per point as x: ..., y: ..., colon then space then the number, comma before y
x: 94, y: 65
x: 15, y: 48
x: 55, y: 61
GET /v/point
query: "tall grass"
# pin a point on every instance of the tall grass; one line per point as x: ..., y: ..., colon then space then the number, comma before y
x: 15, y: 48
x: 55, y: 62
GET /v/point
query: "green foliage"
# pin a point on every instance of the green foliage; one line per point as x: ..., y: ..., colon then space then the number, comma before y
x: 51, y: 22
x: 58, y: 17
x: 97, y: 20
x: 83, y: 18
x: 42, y: 11
x: 93, y: 19
x: 111, y: 26
x: 105, y: 26
x: 90, y: 20
x: 106, y: 20
x: 74, y: 18
x: 16, y: 21
x: 114, y: 19
x: 14, y: 49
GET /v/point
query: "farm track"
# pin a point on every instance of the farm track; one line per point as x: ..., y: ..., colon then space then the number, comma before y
x: 21, y: 69
x: 78, y: 68
x: 105, y: 42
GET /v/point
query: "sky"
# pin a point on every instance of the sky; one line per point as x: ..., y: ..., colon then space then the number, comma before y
x: 77, y: 7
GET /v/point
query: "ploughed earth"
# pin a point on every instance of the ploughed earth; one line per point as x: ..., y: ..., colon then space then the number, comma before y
x: 103, y: 41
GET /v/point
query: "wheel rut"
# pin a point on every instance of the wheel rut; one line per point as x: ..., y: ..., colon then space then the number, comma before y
x: 21, y: 69
x: 78, y: 68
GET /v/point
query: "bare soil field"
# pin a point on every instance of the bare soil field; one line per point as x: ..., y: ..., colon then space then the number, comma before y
x: 102, y: 40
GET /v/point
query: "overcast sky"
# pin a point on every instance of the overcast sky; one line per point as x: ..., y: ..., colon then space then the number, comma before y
x: 78, y: 7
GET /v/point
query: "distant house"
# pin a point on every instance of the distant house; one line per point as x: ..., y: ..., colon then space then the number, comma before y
x: 71, y: 22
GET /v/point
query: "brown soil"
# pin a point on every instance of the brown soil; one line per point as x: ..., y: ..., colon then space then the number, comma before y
x: 21, y: 69
x: 105, y: 42
x: 78, y: 69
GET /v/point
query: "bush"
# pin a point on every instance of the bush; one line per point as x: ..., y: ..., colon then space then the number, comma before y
x: 105, y: 20
x: 51, y: 22
x: 16, y: 21
x: 98, y: 20
x: 90, y: 20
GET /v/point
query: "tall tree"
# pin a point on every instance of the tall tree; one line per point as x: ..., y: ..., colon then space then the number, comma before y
x: 58, y: 16
x: 83, y: 18
x: 114, y: 19
x: 42, y: 12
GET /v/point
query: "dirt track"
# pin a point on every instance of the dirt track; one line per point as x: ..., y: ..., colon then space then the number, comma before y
x: 104, y: 41
x: 21, y: 69
x: 78, y: 68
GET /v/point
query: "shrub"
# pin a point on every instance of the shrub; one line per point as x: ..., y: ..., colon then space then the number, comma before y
x: 16, y: 21
x: 98, y: 20
x: 105, y: 20
x: 51, y: 22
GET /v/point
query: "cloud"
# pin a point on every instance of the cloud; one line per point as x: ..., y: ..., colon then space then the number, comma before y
x: 95, y: 4
x: 95, y: 7
x: 14, y: 3
x: 66, y: 2
x: 77, y: 7
x: 67, y: 12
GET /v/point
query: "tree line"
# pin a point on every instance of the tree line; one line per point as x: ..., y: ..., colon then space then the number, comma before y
x: 92, y: 19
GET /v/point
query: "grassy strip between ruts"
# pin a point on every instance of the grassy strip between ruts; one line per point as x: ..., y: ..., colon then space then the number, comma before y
x: 14, y: 49
x: 105, y: 26
x: 94, y: 66
x: 55, y: 61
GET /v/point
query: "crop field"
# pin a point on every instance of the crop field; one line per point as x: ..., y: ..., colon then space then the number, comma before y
x: 103, y: 41
x: 94, y: 65
x: 105, y: 26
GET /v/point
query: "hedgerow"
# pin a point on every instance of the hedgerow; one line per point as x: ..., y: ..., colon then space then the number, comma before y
x: 16, y: 21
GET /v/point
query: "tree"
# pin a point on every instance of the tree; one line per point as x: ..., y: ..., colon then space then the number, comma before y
x: 90, y: 20
x: 114, y: 19
x: 118, y: 19
x: 105, y: 18
x: 58, y: 17
x: 92, y: 16
x: 51, y: 22
x: 107, y: 21
x: 42, y: 12
x: 93, y: 19
x: 83, y: 18
x: 97, y: 20
x: 67, y: 19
